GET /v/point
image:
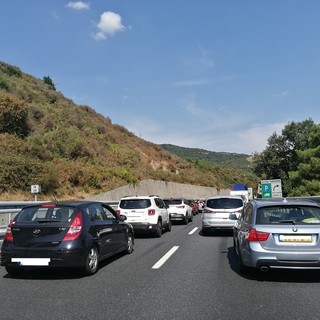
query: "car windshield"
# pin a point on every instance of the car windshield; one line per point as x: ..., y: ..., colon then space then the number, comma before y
x: 45, y: 214
x: 173, y: 202
x: 135, y: 203
x: 224, y: 203
x: 288, y: 215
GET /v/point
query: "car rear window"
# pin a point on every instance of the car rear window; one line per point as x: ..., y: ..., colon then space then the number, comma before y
x: 288, y: 214
x: 135, y: 203
x: 224, y: 203
x: 45, y: 214
x: 173, y: 202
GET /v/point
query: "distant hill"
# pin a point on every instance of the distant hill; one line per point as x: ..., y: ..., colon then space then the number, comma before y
x: 225, y: 158
x: 74, y: 152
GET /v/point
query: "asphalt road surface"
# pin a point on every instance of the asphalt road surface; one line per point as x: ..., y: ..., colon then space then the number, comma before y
x: 182, y: 275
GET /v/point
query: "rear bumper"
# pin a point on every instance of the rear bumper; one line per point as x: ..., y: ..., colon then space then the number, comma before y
x: 177, y: 216
x: 255, y: 256
x: 144, y: 226
x: 56, y: 258
x: 218, y: 224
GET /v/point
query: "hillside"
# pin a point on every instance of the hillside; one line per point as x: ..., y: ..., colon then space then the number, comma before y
x: 235, y: 160
x: 74, y: 152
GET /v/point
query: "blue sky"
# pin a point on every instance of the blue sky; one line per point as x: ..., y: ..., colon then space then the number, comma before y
x: 221, y: 75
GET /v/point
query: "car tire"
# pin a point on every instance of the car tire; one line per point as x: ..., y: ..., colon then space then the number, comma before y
x: 242, y: 268
x: 191, y: 218
x: 186, y: 219
x: 168, y: 227
x: 14, y: 271
x: 158, y: 232
x: 91, y: 264
x: 129, y: 243
x: 204, y: 232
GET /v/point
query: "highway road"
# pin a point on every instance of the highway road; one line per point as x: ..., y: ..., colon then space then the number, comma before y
x: 199, y: 280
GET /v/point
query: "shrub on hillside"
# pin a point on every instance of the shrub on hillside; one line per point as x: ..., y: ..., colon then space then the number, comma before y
x: 13, y: 115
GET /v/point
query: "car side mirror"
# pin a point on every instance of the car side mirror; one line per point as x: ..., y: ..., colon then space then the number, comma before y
x: 122, y: 217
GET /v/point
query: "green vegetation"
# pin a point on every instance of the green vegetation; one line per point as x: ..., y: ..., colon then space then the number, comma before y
x: 240, y: 161
x: 74, y: 152
x: 293, y: 157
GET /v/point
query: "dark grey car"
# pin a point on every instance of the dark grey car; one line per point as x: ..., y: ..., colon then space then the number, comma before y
x: 278, y: 234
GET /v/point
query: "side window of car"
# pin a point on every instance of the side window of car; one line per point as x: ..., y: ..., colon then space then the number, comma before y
x: 247, y: 213
x: 159, y: 203
x: 109, y: 215
x: 96, y: 212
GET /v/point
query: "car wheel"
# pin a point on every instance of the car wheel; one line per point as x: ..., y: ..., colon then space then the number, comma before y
x: 242, y: 268
x: 168, y: 227
x: 158, y: 232
x: 14, y: 271
x: 186, y: 219
x: 191, y: 218
x: 91, y: 265
x: 234, y: 245
x: 129, y: 243
x: 204, y: 232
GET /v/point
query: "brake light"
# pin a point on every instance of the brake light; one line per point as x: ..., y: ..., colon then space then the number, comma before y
x: 207, y: 211
x: 118, y: 212
x: 255, y: 235
x: 181, y: 207
x: 48, y: 205
x: 75, y: 228
x: 151, y: 212
x: 9, y: 236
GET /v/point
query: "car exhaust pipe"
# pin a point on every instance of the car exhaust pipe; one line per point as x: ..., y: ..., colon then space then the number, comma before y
x: 264, y: 268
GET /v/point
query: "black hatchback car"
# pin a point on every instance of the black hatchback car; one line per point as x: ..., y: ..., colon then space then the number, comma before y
x: 66, y: 234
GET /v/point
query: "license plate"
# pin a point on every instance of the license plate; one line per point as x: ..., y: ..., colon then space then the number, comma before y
x: 32, y: 261
x: 295, y: 238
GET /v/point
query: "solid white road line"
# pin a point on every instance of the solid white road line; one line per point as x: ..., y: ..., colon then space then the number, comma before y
x: 193, y: 230
x: 165, y: 257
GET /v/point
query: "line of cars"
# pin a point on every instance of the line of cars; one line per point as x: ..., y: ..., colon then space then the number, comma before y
x: 267, y: 234
x: 80, y: 234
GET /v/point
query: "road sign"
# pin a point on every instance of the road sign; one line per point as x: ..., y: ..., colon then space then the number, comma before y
x: 271, y: 188
x: 35, y: 188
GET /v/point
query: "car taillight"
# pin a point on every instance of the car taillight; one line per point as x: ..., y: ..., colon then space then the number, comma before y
x: 207, y: 211
x: 118, y: 212
x: 9, y: 236
x: 75, y: 228
x: 151, y: 212
x: 255, y: 235
x: 180, y: 207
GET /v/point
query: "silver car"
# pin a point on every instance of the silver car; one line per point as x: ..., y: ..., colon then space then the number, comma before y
x: 278, y: 234
x: 221, y: 212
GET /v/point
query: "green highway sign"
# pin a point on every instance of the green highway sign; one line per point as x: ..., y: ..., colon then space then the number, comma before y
x: 271, y: 188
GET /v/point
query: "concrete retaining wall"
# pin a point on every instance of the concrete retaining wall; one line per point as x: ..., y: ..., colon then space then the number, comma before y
x: 162, y: 189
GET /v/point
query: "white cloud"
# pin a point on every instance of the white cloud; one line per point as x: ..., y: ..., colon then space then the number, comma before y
x: 191, y: 83
x: 109, y: 24
x: 78, y: 5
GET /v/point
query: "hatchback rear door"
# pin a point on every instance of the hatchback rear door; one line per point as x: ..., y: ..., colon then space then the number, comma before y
x: 41, y: 226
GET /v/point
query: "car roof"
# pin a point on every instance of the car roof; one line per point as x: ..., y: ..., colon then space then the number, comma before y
x: 226, y: 196
x: 74, y: 203
x: 284, y: 201
x: 139, y: 197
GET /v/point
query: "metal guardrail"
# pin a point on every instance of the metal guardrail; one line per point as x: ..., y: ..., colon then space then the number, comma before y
x: 5, y: 216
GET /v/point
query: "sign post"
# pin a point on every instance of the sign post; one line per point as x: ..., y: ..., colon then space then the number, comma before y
x: 271, y: 188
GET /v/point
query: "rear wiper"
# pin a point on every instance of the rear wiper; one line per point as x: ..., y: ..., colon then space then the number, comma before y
x: 287, y: 221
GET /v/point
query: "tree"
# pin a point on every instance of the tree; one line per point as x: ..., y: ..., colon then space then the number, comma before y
x: 280, y: 155
x: 306, y: 179
x: 47, y: 80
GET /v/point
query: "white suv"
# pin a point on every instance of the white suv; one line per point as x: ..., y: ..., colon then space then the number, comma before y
x: 146, y: 213
x: 179, y: 209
